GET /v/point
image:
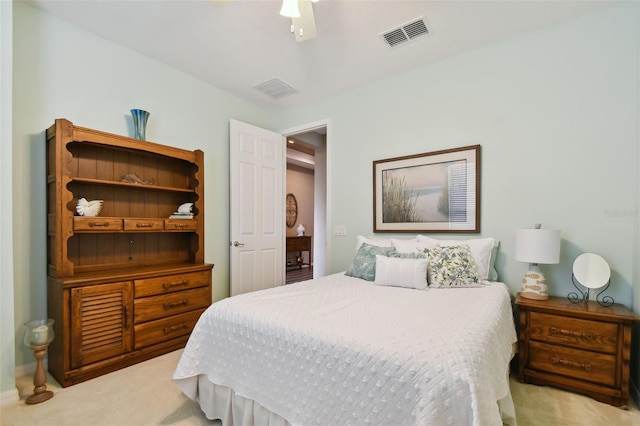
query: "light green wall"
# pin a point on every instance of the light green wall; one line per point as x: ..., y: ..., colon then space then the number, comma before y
x: 556, y: 113
x: 61, y: 71
x: 7, y: 335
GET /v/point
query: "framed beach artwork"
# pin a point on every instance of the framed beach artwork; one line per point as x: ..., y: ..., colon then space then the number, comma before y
x: 431, y: 192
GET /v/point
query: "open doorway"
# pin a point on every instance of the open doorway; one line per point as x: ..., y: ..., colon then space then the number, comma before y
x: 306, y: 205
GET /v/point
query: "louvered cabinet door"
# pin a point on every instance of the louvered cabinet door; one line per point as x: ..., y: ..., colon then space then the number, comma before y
x: 101, y: 317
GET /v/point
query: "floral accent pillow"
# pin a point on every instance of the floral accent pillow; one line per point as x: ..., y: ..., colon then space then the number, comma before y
x: 364, y: 262
x: 483, y: 250
x: 452, y: 267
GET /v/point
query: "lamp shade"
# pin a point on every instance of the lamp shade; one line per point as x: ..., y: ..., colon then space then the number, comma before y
x: 538, y: 245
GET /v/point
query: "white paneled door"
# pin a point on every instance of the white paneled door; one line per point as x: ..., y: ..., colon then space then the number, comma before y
x: 257, y: 167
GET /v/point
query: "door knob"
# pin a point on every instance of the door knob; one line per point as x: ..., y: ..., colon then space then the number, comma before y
x: 237, y: 244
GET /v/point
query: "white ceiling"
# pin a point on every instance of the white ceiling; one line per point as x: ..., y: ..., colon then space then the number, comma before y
x: 243, y: 43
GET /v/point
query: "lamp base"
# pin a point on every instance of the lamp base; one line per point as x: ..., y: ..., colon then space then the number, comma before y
x: 534, y: 285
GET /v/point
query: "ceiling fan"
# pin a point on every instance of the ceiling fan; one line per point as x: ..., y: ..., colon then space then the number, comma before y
x: 303, y: 23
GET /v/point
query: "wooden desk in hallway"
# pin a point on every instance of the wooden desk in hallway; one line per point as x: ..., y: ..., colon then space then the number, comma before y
x: 300, y: 244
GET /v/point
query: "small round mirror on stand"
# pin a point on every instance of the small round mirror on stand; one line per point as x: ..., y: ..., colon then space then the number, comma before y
x: 592, y: 272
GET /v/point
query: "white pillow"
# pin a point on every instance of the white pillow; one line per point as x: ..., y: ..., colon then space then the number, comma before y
x: 378, y: 242
x: 411, y: 246
x: 401, y: 272
x: 481, y: 251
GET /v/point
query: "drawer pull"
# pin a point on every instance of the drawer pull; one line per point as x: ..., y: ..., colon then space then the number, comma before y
x: 173, y: 328
x: 570, y: 333
x: 98, y: 224
x: 176, y: 304
x: 569, y: 363
x: 175, y: 284
x: 144, y: 225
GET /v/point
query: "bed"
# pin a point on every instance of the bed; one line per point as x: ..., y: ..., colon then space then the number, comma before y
x: 343, y: 350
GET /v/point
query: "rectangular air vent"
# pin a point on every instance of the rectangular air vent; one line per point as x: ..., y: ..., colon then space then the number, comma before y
x: 406, y: 32
x: 275, y: 88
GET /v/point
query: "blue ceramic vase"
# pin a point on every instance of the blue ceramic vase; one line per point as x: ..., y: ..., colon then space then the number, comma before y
x: 140, y: 118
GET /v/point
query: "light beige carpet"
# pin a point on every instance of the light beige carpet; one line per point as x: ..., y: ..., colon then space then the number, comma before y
x: 145, y: 395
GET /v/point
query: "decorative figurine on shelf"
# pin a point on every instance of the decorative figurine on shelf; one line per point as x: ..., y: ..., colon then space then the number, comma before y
x: 184, y: 212
x: 300, y: 230
x: 38, y: 335
x: 89, y: 208
x: 135, y: 179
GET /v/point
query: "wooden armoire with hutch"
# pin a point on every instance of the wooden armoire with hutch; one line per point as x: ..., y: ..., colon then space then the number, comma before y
x: 129, y: 284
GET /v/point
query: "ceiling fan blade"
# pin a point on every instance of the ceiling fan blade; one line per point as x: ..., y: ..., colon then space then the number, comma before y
x: 306, y: 22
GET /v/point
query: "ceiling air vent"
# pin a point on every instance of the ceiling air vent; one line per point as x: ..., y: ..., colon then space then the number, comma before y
x: 275, y: 88
x: 406, y: 32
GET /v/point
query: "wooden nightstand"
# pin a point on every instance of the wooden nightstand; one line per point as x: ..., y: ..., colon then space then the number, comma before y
x: 581, y: 347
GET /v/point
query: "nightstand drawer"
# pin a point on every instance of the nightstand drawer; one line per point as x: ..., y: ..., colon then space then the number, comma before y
x: 578, y: 333
x: 584, y: 365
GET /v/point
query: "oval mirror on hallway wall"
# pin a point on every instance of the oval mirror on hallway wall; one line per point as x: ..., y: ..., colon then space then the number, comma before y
x: 292, y: 210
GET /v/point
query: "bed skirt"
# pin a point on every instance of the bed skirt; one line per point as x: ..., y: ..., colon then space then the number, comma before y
x: 221, y: 402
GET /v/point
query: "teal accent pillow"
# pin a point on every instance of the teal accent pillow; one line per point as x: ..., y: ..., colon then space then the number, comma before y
x: 493, y: 273
x: 452, y: 267
x: 364, y: 262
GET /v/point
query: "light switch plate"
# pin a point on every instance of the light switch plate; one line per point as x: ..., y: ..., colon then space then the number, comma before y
x: 340, y: 231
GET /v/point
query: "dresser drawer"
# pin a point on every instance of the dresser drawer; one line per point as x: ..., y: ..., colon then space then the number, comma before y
x: 143, y: 224
x: 578, y: 333
x: 180, y: 224
x: 164, y: 305
x: 160, y: 330
x: 171, y: 283
x: 96, y: 224
x: 589, y: 366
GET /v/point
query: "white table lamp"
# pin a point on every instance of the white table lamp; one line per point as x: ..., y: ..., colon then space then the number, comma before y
x: 537, y: 246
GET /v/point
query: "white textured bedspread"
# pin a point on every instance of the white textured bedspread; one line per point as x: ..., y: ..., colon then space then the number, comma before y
x: 341, y: 351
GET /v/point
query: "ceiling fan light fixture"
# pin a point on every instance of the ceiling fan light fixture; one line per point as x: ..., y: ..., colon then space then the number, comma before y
x: 290, y: 9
